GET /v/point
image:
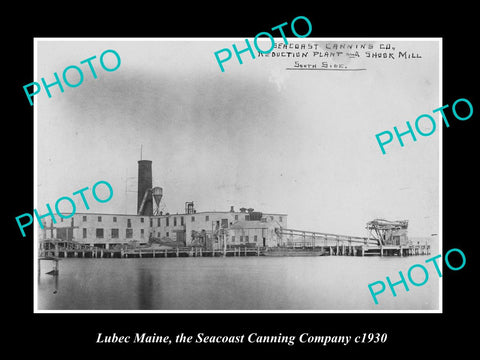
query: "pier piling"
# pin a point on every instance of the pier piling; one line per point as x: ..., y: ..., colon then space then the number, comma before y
x: 335, y: 246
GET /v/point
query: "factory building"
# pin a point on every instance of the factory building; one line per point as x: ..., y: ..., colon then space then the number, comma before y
x: 206, y: 229
x: 101, y: 230
x: 209, y: 229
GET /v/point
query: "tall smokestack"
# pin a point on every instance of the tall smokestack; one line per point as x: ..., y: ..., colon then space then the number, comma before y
x: 144, y: 184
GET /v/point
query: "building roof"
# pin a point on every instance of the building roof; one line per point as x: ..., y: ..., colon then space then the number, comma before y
x: 163, y: 215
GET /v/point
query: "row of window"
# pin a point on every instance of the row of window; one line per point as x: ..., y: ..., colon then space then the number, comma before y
x: 142, y: 220
x: 167, y: 220
x: 114, y: 233
x: 129, y: 221
x: 246, y: 238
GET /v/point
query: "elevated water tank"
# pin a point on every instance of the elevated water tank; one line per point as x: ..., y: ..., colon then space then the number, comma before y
x: 157, y: 193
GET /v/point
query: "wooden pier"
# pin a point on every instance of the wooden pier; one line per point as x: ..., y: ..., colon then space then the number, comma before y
x: 55, y: 260
x: 54, y: 248
x: 344, y: 245
x: 331, y: 245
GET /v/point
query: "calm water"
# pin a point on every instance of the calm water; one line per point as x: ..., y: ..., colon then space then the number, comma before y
x: 240, y: 283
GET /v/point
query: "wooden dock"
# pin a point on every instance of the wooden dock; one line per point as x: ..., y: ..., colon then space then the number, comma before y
x: 55, y: 260
x: 54, y: 249
x: 334, y: 244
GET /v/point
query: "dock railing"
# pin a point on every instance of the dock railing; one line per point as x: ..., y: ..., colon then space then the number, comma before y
x: 301, y: 238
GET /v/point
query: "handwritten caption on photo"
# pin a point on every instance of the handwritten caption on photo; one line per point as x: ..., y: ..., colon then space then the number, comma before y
x: 249, y: 48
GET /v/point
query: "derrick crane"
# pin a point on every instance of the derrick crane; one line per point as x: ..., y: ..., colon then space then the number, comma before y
x: 384, y: 230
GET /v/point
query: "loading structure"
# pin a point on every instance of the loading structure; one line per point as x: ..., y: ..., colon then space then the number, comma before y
x: 389, y: 232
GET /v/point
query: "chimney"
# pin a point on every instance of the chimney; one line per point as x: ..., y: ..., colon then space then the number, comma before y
x: 231, y: 209
x: 144, y: 184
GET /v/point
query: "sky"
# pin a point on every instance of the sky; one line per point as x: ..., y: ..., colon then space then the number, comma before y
x: 257, y: 135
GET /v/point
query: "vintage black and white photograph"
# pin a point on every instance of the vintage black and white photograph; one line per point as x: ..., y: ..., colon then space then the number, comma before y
x: 180, y: 174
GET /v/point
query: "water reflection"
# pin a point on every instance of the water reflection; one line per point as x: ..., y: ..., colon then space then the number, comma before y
x: 55, y: 277
x: 241, y: 283
x: 145, y: 289
x: 52, y: 278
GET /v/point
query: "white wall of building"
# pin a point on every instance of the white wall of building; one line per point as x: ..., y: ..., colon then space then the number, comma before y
x: 87, y: 227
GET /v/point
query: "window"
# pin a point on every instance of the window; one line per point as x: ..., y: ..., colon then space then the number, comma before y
x: 193, y: 218
x: 174, y: 221
x: 129, y: 233
x: 84, y: 218
x: 129, y: 222
x: 141, y: 220
x: 181, y: 221
x: 99, y: 219
x: 84, y: 233
x: 236, y: 217
x: 99, y: 233
x: 233, y: 238
x: 151, y: 222
x: 255, y: 238
x: 158, y: 222
x: 280, y: 218
x: 61, y: 219
x: 207, y: 218
x: 114, y: 219
x: 167, y: 221
x: 114, y: 233
x: 246, y: 238
x: 241, y: 238
x: 168, y: 234
x: 158, y: 234
x: 142, y: 233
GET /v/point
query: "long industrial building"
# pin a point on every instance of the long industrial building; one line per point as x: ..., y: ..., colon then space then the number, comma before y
x: 209, y: 229
x: 207, y: 233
